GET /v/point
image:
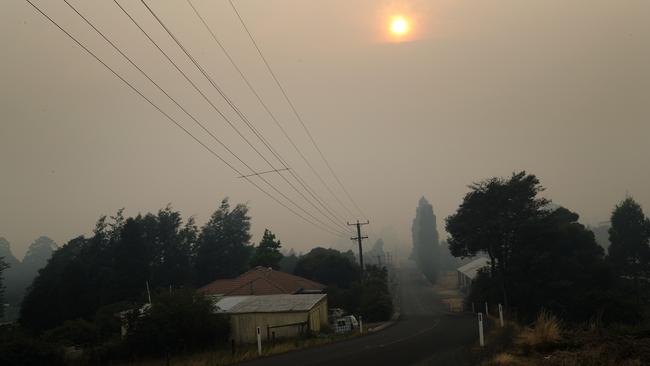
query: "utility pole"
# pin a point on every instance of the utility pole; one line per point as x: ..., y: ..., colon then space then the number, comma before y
x: 359, y: 239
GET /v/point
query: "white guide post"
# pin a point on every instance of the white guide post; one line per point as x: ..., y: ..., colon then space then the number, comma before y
x: 480, y: 330
x: 360, y: 325
x: 259, y: 342
x: 501, y: 314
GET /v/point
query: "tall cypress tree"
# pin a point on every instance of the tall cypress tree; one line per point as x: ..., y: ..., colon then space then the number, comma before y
x: 426, y: 245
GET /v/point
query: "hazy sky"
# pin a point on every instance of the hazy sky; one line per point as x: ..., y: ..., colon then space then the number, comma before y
x: 558, y: 88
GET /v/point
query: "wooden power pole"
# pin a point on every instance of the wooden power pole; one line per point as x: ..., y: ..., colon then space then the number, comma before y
x: 359, y: 239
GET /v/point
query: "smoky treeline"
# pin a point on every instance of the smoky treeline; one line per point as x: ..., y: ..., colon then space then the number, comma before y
x: 17, y: 275
x: 543, y: 258
x: 125, y: 254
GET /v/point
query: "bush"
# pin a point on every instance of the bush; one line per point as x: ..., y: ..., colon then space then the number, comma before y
x: 78, y: 333
x: 19, y: 349
x: 545, y: 333
x: 181, y: 321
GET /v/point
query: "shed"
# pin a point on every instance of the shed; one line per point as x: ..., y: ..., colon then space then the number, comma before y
x: 278, y: 316
x: 467, y: 273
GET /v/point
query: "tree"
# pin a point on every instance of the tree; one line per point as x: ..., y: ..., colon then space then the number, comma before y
x: 223, y: 245
x: 14, y: 285
x: 288, y: 262
x: 19, y: 275
x: 3, y: 266
x: 171, y: 250
x: 131, y: 259
x: 328, y: 266
x: 629, y: 251
x: 376, y: 254
x: 111, y: 267
x: 491, y: 219
x: 61, y: 291
x: 426, y: 243
x: 267, y: 253
x: 558, y: 266
x: 39, y: 252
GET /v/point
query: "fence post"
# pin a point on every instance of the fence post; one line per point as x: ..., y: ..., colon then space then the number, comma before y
x: 259, y: 342
x: 232, y: 346
x: 501, y: 314
x: 360, y: 325
x: 480, y: 330
x: 487, y: 310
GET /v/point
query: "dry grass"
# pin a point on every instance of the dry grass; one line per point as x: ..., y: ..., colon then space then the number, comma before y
x: 548, y: 344
x: 546, y: 331
x: 504, y: 359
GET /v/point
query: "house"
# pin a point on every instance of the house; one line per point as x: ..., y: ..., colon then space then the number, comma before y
x: 277, y: 316
x: 263, y: 281
x: 468, y: 272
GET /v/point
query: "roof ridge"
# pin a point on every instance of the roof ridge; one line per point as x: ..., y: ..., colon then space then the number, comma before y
x: 253, y: 281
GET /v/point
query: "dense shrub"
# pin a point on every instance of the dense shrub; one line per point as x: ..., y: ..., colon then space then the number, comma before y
x: 372, y: 299
x: 178, y: 322
x: 17, y: 348
x: 376, y: 303
x: 74, y: 333
x: 328, y: 266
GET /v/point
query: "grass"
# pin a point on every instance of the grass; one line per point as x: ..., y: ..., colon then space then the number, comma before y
x: 546, y: 332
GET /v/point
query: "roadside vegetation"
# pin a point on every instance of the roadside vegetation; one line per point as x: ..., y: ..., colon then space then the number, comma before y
x: 548, y: 342
x: 585, y: 306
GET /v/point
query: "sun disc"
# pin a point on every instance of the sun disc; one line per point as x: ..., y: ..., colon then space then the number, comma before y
x: 399, y: 26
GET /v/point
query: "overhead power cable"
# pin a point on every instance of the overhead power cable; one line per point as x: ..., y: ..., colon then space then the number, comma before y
x: 171, y: 119
x: 271, y: 114
x: 293, y: 108
x: 227, y: 99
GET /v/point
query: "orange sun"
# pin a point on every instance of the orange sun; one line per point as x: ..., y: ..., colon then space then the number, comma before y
x: 399, y: 26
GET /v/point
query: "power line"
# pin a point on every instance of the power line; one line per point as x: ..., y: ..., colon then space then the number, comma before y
x: 268, y: 110
x: 171, y: 119
x: 293, y: 108
x: 191, y: 116
x: 228, y: 100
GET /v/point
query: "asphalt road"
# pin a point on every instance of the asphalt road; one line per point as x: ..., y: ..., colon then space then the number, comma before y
x: 426, y: 334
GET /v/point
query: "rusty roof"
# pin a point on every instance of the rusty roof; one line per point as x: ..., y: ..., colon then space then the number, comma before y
x: 261, y: 281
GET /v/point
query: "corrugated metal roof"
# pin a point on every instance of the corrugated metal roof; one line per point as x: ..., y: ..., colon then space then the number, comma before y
x: 268, y: 303
x: 225, y: 304
x: 471, y: 269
